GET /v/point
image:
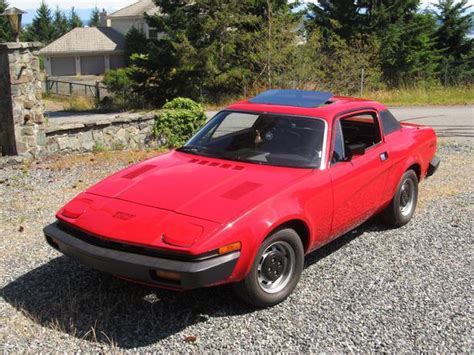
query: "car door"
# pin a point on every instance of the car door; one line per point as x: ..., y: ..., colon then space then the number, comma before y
x: 357, y: 181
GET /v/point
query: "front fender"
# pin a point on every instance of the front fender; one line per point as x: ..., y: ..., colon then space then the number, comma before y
x: 309, y: 201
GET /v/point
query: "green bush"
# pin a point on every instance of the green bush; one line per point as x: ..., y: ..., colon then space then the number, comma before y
x: 177, y: 122
x: 120, y: 84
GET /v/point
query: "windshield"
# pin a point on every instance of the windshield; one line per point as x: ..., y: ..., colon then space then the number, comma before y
x: 261, y: 138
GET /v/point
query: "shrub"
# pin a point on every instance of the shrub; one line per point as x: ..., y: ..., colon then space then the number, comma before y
x: 120, y: 84
x: 178, y: 120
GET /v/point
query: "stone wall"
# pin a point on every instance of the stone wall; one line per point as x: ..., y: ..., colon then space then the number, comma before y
x: 130, y: 131
x: 21, y: 109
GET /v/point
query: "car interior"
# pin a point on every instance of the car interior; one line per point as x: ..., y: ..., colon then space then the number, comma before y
x: 274, y: 139
x: 359, y: 131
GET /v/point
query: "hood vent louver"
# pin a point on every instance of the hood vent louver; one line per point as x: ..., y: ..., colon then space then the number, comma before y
x: 215, y: 164
x: 241, y: 190
x: 134, y: 173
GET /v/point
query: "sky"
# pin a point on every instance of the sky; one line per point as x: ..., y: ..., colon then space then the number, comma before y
x: 84, y: 6
x: 87, y: 4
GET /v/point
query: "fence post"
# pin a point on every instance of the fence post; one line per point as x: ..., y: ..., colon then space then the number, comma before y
x: 97, y: 91
x: 362, y: 82
x: 57, y: 88
x: 70, y: 88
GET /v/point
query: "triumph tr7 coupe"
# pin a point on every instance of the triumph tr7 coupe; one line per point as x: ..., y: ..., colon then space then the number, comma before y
x: 263, y: 183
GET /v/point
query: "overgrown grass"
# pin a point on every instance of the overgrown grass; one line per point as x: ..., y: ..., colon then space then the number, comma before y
x: 458, y: 95
x: 69, y: 103
x: 416, y: 96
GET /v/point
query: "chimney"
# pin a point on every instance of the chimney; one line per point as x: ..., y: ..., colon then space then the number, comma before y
x: 103, y: 18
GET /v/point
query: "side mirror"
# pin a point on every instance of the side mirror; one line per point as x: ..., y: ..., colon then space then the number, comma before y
x: 356, y: 149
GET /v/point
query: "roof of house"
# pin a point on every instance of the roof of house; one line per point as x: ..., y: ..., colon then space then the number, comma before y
x: 87, y: 39
x: 137, y: 9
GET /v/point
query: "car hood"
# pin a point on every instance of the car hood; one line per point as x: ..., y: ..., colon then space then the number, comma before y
x: 211, y: 189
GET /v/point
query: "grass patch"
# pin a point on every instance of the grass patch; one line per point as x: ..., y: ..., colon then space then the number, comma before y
x: 457, y: 95
x: 416, y: 96
x: 69, y: 103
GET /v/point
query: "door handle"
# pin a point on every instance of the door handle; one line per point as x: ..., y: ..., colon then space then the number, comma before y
x: 383, y: 156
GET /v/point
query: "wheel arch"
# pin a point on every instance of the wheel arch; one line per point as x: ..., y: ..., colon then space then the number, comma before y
x: 416, y: 167
x: 299, y: 226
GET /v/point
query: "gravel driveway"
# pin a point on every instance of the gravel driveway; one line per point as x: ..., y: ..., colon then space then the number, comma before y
x: 373, y: 289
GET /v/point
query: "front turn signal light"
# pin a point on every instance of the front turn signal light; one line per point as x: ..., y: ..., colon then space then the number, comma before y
x: 229, y: 248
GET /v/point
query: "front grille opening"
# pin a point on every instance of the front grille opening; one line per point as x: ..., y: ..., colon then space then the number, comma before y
x: 128, y: 248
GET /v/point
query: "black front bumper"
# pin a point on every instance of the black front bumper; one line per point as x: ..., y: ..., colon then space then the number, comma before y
x: 434, y: 164
x: 142, y: 268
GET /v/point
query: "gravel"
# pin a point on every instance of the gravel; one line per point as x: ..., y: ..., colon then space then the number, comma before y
x: 374, y: 289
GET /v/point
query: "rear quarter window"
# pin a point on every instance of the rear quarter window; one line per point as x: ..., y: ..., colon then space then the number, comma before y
x: 389, y: 122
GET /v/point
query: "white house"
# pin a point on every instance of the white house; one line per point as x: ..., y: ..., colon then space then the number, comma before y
x: 93, y: 50
x: 133, y: 16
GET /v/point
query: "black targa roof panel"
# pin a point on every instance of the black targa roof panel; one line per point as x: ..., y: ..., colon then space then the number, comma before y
x: 299, y: 98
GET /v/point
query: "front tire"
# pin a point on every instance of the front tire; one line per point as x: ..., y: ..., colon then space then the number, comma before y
x: 275, y: 271
x: 403, y: 205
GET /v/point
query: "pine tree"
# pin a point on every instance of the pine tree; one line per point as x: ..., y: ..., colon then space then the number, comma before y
x: 456, y: 20
x: 74, y: 19
x: 407, y: 48
x: 42, y: 28
x: 345, y: 18
x: 5, y: 32
x: 135, y: 42
x: 94, y: 20
x: 60, y: 23
x: 214, y: 48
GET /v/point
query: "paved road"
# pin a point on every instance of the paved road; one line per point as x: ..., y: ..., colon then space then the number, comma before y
x: 449, y: 122
x: 456, y: 122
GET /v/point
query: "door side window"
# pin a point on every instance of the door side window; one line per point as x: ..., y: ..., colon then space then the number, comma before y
x: 361, y: 128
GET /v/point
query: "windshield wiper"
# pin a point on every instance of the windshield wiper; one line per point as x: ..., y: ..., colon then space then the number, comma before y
x: 194, y: 149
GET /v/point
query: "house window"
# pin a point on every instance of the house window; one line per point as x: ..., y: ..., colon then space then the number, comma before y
x: 152, y: 33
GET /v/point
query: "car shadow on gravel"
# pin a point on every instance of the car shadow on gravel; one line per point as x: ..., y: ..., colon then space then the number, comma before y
x: 71, y: 298
x: 373, y: 225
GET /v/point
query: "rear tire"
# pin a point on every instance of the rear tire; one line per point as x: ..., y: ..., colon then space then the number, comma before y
x: 275, y: 271
x: 403, y: 205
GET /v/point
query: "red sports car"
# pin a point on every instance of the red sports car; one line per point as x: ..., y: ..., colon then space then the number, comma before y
x: 263, y: 183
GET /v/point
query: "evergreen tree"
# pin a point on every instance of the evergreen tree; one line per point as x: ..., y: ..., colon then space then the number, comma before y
x: 74, y: 19
x: 345, y: 18
x: 5, y: 32
x: 60, y: 23
x: 42, y: 28
x: 135, y: 42
x: 407, y: 48
x: 456, y: 20
x: 94, y: 20
x: 215, y: 48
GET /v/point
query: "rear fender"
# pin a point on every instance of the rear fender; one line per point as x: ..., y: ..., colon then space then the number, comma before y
x: 397, y: 172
